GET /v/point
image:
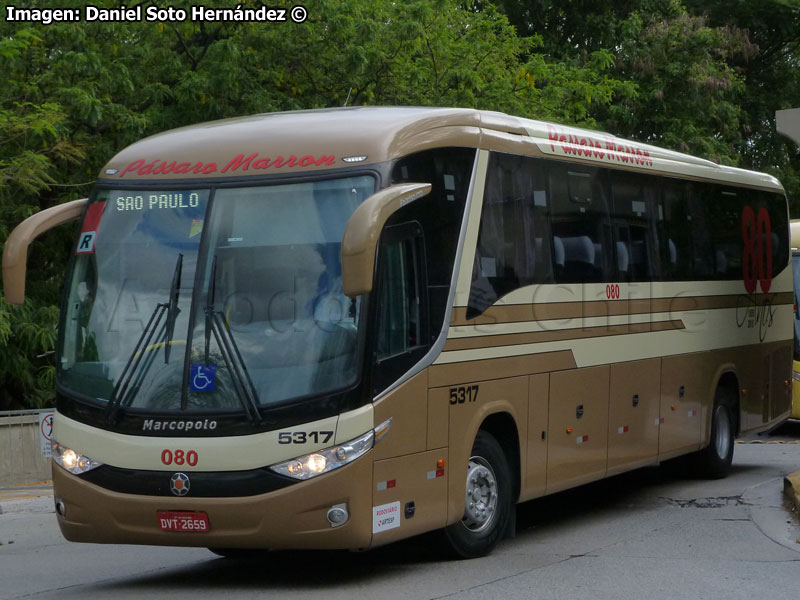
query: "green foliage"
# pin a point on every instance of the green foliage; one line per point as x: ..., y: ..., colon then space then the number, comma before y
x: 76, y: 93
x: 708, y: 74
x: 703, y: 76
x: 688, y: 93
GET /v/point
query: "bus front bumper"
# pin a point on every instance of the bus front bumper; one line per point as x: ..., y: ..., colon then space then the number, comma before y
x: 293, y: 517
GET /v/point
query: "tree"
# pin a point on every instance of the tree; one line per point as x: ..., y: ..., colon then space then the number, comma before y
x: 709, y: 74
x: 76, y: 93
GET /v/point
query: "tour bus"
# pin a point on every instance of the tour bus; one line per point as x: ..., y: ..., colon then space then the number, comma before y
x: 795, y: 240
x: 339, y: 328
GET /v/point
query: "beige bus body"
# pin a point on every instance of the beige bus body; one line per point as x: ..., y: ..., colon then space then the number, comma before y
x: 575, y: 386
x: 795, y: 237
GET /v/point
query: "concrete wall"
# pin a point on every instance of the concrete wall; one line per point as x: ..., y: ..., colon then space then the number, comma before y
x: 21, y: 458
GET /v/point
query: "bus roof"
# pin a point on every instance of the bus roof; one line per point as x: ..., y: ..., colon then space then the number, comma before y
x: 314, y: 140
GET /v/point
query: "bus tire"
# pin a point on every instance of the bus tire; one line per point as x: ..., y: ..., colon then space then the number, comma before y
x: 714, y: 461
x: 488, y: 502
x: 236, y: 553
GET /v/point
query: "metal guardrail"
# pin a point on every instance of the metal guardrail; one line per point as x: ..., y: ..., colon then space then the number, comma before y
x: 21, y: 459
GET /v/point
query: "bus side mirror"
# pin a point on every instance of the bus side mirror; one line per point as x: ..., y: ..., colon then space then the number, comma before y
x: 15, y: 253
x: 360, y: 240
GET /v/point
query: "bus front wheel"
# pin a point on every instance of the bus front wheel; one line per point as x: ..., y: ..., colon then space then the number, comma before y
x: 487, y: 501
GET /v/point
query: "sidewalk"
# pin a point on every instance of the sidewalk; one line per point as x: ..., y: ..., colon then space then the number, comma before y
x: 15, y: 498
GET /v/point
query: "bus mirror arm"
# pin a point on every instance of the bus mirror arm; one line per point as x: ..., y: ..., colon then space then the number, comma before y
x: 363, y: 230
x: 15, y: 253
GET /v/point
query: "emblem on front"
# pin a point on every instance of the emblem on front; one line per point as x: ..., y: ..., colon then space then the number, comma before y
x: 179, y: 484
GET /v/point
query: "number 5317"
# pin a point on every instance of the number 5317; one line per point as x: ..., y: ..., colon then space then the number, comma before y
x: 464, y: 393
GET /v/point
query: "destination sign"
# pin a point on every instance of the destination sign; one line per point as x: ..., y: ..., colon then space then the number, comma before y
x: 160, y: 201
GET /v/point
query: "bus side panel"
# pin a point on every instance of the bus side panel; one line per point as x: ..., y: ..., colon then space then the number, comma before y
x: 577, y: 427
x: 754, y: 388
x: 407, y: 407
x: 410, y: 491
x: 496, y: 396
x: 780, y: 377
x: 538, y: 406
x: 633, y: 415
x: 685, y: 392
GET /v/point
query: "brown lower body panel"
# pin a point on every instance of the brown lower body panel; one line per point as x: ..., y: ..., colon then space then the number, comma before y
x: 294, y: 517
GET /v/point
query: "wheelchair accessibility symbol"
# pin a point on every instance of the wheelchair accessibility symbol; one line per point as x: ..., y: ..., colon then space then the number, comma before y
x: 202, y: 378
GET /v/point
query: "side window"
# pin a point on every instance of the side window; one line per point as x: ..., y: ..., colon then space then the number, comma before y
x: 701, y: 195
x: 764, y: 239
x: 779, y: 227
x: 633, y: 219
x: 675, y: 232
x: 514, y: 242
x: 723, y: 210
x: 707, y: 231
x: 401, y: 306
x: 582, y: 241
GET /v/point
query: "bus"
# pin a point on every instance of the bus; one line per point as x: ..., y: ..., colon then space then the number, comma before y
x: 795, y: 241
x: 333, y: 329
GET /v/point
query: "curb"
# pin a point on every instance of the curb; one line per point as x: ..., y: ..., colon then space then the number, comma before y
x: 791, y: 489
x: 16, y: 498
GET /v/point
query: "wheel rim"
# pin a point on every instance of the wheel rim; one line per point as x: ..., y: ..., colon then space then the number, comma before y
x: 481, y: 500
x: 723, y: 426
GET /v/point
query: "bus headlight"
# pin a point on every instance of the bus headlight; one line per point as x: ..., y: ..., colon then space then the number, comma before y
x: 322, y: 461
x: 74, y: 462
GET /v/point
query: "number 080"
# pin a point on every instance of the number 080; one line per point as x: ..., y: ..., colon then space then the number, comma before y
x: 179, y: 457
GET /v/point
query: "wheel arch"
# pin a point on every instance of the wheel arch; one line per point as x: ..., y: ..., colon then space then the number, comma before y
x: 503, y: 428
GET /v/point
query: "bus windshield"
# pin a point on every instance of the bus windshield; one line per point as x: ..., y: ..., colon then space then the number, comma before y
x: 200, y: 300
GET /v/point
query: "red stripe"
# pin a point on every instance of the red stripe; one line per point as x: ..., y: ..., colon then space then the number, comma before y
x: 93, y: 215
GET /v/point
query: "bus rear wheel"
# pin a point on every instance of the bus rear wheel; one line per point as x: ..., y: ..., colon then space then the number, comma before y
x: 487, y: 503
x: 714, y: 461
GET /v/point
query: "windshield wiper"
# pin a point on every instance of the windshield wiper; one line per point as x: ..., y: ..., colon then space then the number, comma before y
x: 242, y: 384
x: 209, y: 308
x: 172, y: 308
x: 122, y: 390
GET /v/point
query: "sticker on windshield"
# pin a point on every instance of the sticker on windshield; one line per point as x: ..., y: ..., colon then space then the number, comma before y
x: 196, y: 228
x: 89, y: 229
x: 202, y: 378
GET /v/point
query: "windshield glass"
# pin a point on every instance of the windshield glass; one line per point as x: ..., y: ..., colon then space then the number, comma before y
x: 271, y: 324
x: 276, y: 292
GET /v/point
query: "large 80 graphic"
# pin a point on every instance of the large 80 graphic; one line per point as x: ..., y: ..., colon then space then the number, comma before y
x: 756, y: 249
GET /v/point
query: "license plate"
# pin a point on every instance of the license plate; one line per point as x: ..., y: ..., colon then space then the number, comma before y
x: 187, y: 522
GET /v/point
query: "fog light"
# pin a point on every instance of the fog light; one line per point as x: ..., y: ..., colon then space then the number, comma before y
x: 61, y: 509
x: 338, y: 515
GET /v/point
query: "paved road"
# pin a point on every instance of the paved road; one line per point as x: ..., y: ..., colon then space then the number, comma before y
x: 650, y: 534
